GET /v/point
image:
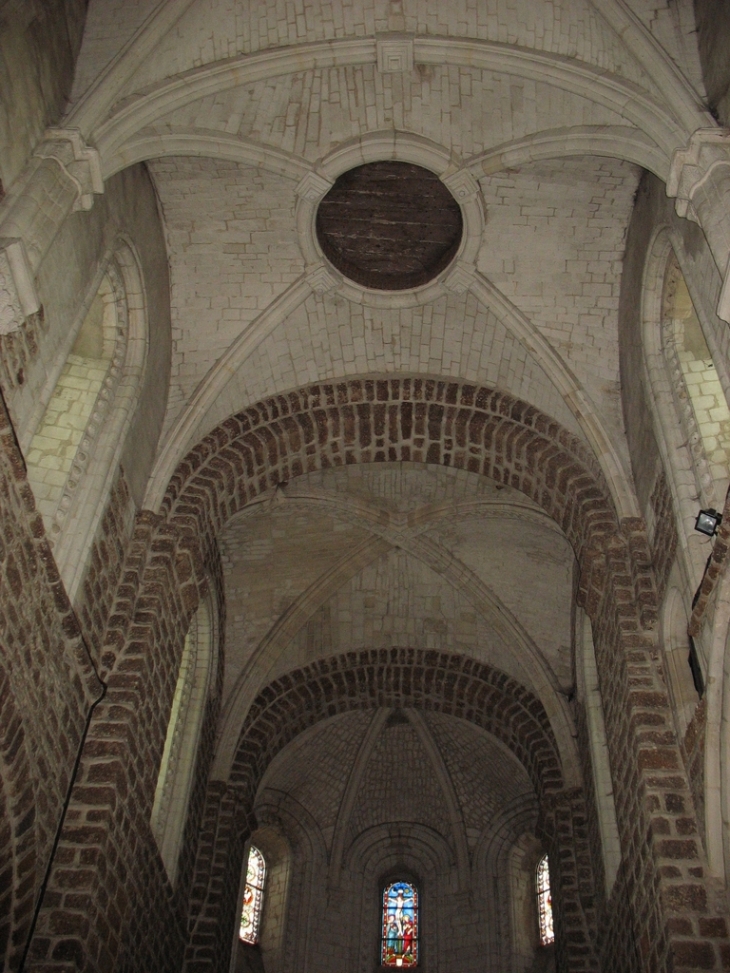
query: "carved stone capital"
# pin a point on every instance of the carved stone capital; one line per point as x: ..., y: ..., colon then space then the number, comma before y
x: 79, y: 161
x: 18, y: 297
x: 692, y: 166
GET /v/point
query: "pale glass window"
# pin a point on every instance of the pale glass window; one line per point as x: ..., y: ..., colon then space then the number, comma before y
x: 544, y: 902
x: 253, y: 897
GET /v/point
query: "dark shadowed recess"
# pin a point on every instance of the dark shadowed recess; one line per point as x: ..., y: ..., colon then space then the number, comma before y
x: 389, y: 225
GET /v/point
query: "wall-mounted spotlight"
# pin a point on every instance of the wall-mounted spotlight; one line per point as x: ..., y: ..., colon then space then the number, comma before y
x: 708, y: 521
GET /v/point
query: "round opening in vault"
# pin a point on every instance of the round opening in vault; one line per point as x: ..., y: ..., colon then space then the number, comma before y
x: 389, y: 225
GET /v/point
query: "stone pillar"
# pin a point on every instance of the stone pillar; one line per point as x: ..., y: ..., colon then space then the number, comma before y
x: 699, y: 177
x: 63, y: 176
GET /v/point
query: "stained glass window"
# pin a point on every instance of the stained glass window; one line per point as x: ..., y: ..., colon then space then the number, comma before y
x: 399, y: 945
x: 544, y: 902
x: 253, y: 896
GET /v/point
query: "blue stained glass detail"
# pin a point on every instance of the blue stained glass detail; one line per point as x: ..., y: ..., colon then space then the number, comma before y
x: 399, y: 946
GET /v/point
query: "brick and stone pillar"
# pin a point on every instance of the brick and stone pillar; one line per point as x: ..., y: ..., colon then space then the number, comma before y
x: 214, y: 904
x: 663, y: 895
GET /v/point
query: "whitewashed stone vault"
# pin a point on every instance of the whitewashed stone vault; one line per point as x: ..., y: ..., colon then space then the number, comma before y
x: 389, y: 582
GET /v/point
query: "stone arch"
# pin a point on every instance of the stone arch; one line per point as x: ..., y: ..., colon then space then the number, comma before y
x: 494, y: 870
x: 424, y: 420
x: 393, y: 420
x: 403, y: 678
x: 122, y: 395
x: 97, y: 383
x: 113, y: 133
x: 413, y: 854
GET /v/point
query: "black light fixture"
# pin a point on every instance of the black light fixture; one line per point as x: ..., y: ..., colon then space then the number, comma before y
x: 708, y: 521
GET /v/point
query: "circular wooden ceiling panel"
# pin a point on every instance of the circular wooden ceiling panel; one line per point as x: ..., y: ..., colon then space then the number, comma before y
x: 389, y: 225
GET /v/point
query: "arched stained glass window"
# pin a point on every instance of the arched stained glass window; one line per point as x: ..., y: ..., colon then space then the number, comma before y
x: 399, y: 946
x: 544, y: 902
x: 253, y: 897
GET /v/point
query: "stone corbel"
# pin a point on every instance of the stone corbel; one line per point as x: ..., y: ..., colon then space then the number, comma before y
x: 460, y: 279
x: 462, y: 185
x: 699, y: 178
x: 322, y: 280
x: 313, y: 187
x: 18, y: 296
x: 79, y: 161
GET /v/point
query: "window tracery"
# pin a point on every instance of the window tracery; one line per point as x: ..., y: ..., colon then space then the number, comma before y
x: 253, y: 897
x: 544, y: 902
x: 400, y: 925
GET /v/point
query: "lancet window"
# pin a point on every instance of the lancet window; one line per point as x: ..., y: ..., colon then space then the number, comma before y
x: 544, y: 902
x: 253, y: 897
x: 400, y: 925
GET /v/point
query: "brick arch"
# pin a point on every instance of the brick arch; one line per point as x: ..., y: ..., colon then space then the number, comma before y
x: 421, y: 679
x: 421, y: 420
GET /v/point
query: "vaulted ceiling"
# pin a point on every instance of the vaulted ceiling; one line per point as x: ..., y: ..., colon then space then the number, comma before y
x: 538, y: 117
